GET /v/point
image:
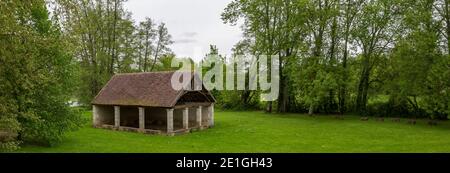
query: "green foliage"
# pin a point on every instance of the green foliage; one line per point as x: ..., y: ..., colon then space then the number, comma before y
x: 237, y: 100
x: 437, y: 98
x: 36, y: 74
x: 338, y: 55
x: 393, y: 106
x: 230, y: 99
x: 9, y: 127
x: 9, y: 146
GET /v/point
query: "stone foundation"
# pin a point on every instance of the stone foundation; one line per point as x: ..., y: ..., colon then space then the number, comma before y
x: 150, y: 131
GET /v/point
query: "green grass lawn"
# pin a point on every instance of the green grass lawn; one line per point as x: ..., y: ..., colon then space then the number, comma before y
x: 260, y: 132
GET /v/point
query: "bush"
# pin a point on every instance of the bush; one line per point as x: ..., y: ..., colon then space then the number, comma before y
x: 9, y: 146
x: 394, y: 108
x: 437, y: 100
x: 50, y: 128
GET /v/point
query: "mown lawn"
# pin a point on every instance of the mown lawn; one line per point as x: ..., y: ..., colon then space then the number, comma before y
x: 260, y: 132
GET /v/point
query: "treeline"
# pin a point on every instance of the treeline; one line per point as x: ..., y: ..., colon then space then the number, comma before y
x: 375, y: 58
x: 107, y: 41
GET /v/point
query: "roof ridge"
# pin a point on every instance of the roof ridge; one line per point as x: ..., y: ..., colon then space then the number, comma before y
x: 136, y: 73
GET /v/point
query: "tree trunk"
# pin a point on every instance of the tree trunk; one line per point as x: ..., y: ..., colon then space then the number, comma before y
x: 283, y: 96
x: 156, y: 56
x: 343, y: 86
x: 363, y: 87
x: 311, y: 109
x: 146, y: 51
x: 447, y: 19
x: 334, y: 41
x: 113, y: 42
x: 269, y: 107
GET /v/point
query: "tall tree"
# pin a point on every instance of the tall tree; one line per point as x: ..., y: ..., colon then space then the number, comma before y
x: 37, y: 73
x: 163, y: 40
x: 146, y: 32
x: 274, y: 28
x: 376, y: 28
x: 349, y: 9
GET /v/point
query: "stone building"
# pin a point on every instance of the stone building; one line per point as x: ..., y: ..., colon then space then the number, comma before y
x: 147, y: 103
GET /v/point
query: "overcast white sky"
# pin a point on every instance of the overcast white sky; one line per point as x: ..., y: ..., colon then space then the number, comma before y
x: 193, y: 24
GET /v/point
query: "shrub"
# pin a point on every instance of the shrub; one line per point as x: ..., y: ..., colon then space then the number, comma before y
x: 395, y: 107
x: 437, y: 100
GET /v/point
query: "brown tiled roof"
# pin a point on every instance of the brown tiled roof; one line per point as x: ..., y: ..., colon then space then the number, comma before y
x: 152, y: 89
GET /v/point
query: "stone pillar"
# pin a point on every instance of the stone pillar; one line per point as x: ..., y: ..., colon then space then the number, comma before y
x: 198, y: 117
x: 141, y: 118
x: 211, y: 114
x: 116, y: 116
x: 95, y: 116
x: 185, y: 118
x: 169, y: 120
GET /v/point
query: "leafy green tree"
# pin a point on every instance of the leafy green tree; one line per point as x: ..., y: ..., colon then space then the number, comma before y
x: 36, y: 74
x: 163, y: 40
x: 377, y: 26
x: 413, y: 56
x: 271, y: 28
x: 437, y: 98
x: 146, y: 35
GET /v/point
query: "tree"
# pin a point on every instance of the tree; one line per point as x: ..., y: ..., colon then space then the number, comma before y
x: 349, y: 9
x: 413, y: 56
x: 273, y: 28
x: 37, y: 71
x: 376, y: 28
x: 163, y: 40
x: 153, y: 44
x: 442, y: 13
x: 437, y: 98
x: 146, y: 35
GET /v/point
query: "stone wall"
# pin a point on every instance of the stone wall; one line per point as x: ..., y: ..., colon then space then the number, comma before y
x: 103, y: 115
